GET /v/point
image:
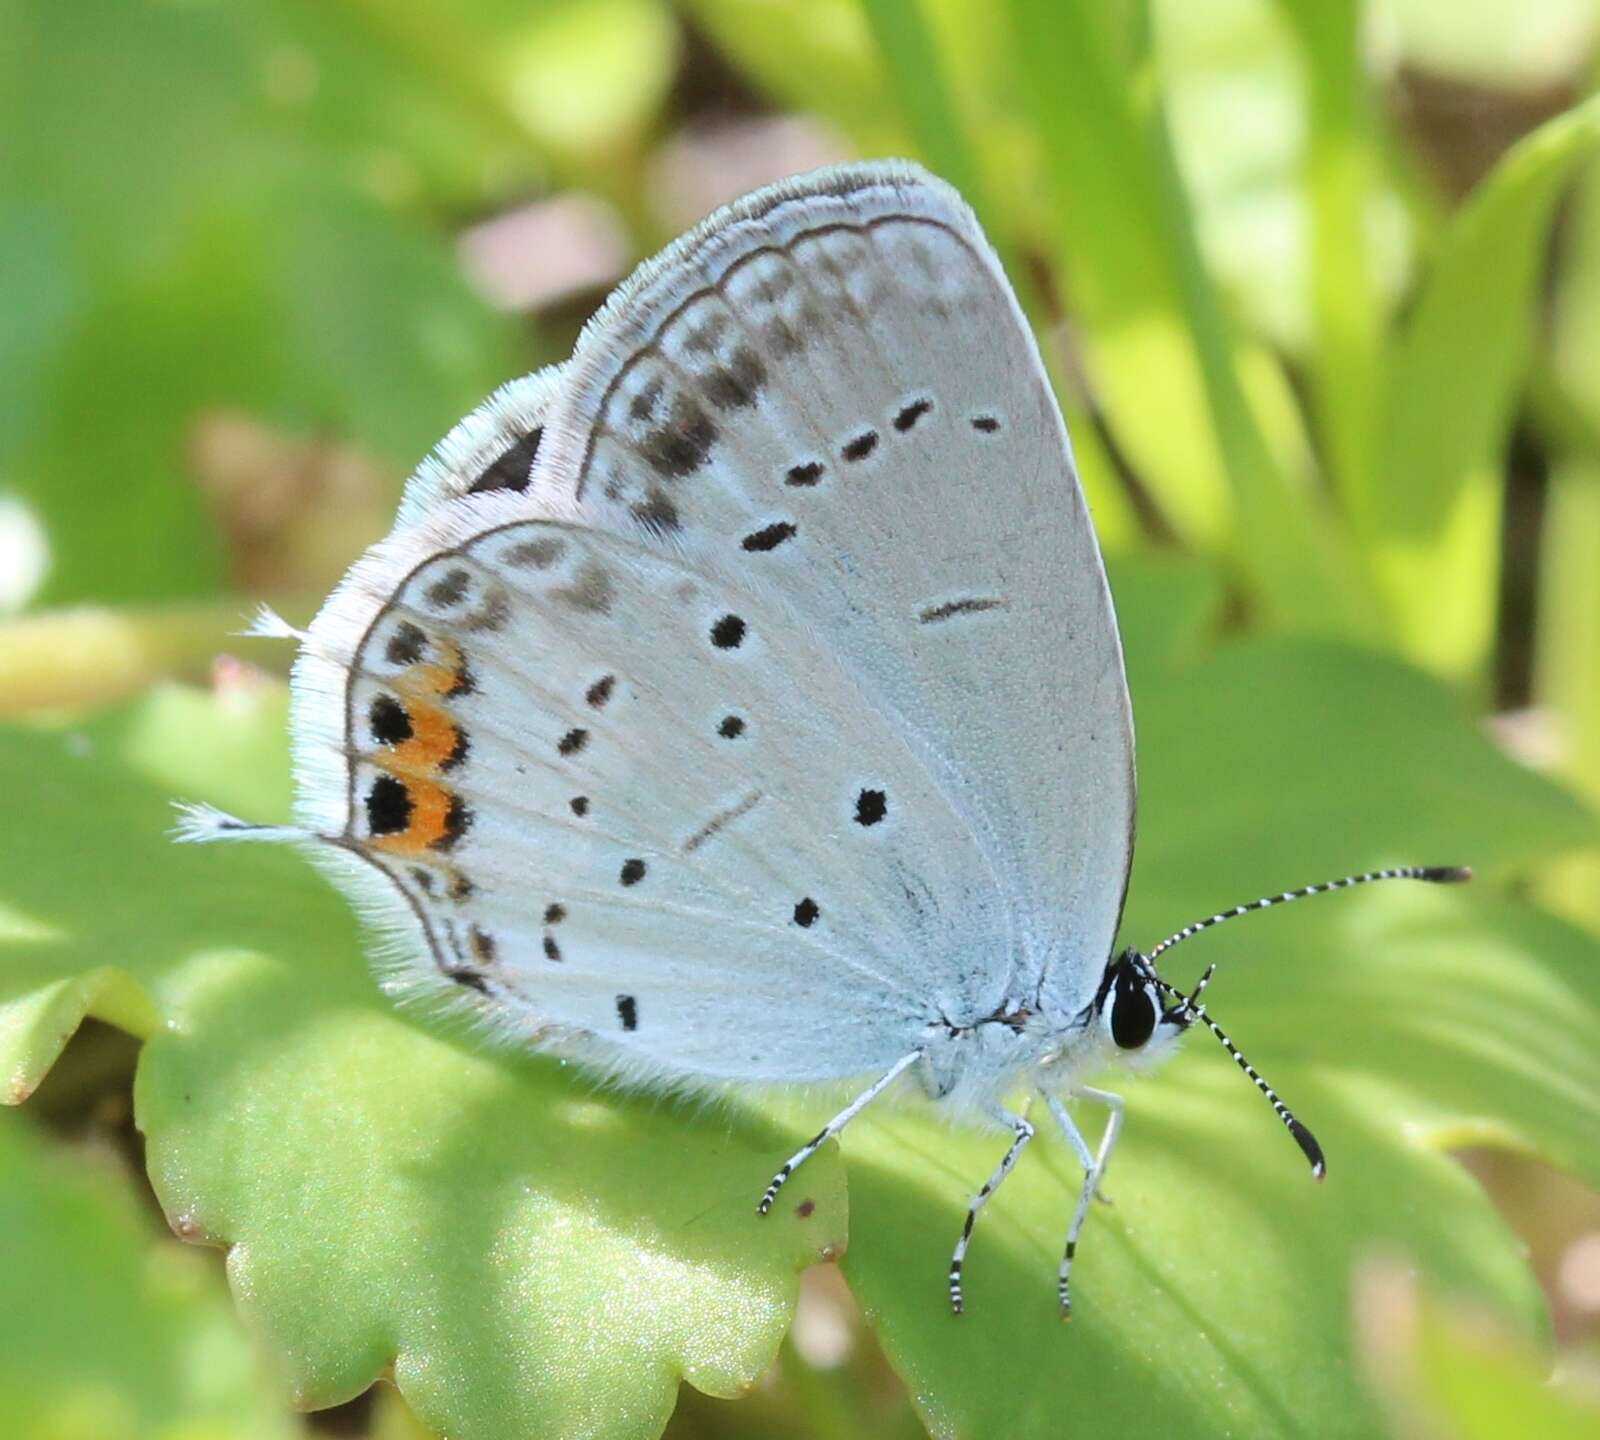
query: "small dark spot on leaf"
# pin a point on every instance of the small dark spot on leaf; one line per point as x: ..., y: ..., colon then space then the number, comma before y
x: 805, y: 1209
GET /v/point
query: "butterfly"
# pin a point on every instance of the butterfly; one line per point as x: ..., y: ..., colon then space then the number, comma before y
x: 742, y: 700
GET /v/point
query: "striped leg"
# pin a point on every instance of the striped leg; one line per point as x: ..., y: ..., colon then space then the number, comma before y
x: 1094, y: 1168
x: 1023, y: 1132
x: 833, y: 1127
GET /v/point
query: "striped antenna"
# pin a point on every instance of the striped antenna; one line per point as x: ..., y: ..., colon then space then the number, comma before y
x: 1434, y: 874
x: 1302, y: 1136
x: 1187, y: 1007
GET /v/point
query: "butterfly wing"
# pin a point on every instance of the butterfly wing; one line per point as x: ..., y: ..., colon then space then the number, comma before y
x: 781, y: 717
x: 831, y: 388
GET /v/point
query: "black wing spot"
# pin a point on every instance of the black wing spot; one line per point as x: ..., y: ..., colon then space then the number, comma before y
x: 470, y: 978
x: 871, y: 807
x: 555, y: 913
x: 552, y: 951
x: 807, y: 474
x: 406, y: 645
x: 389, y: 720
x: 988, y: 424
x: 682, y: 445
x: 512, y: 467
x: 769, y: 538
x: 424, y: 879
x: 449, y: 589
x: 862, y: 446
x: 628, y: 1012
x: 728, y: 633
x: 573, y: 741
x: 643, y: 405
x: 656, y: 512
x: 806, y: 912
x: 911, y: 414
x: 461, y: 888
x: 541, y: 554
x: 458, y: 751
x: 731, y: 728
x: 736, y: 385
x: 632, y: 872
x: 483, y: 945
x: 579, y: 805
x: 388, y: 806
x: 457, y: 819
x: 592, y: 591
x: 969, y: 606
x: 600, y: 692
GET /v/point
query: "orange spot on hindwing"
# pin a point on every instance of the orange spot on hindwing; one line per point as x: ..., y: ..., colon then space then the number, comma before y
x: 428, y: 817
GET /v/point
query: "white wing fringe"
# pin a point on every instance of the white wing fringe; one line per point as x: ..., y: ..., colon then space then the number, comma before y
x: 269, y: 625
x: 198, y: 824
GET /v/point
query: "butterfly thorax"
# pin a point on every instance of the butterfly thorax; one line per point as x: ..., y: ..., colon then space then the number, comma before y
x: 974, y: 1065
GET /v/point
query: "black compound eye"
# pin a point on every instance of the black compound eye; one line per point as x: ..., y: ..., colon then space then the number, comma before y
x: 1133, y: 1013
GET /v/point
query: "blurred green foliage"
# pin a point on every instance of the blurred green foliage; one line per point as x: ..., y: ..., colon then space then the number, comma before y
x: 1318, y: 282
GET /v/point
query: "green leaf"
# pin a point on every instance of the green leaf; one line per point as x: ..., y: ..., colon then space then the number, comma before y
x: 105, y: 1331
x: 786, y: 47
x: 1342, y: 175
x: 185, y: 252
x: 913, y: 63
x: 1430, y: 507
x: 528, y: 1253
x: 1213, y: 1297
x: 1158, y: 344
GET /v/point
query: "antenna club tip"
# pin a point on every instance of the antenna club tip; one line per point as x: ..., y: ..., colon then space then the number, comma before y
x: 1447, y: 874
x: 1309, y: 1147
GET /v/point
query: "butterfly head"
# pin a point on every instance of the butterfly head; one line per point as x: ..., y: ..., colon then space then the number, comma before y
x: 1139, y: 1017
x: 1142, y: 1015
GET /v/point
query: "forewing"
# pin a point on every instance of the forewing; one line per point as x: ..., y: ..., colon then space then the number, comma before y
x: 830, y: 391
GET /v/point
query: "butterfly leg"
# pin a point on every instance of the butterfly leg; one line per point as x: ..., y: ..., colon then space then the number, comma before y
x: 1094, y: 1167
x: 833, y: 1127
x: 1023, y: 1132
